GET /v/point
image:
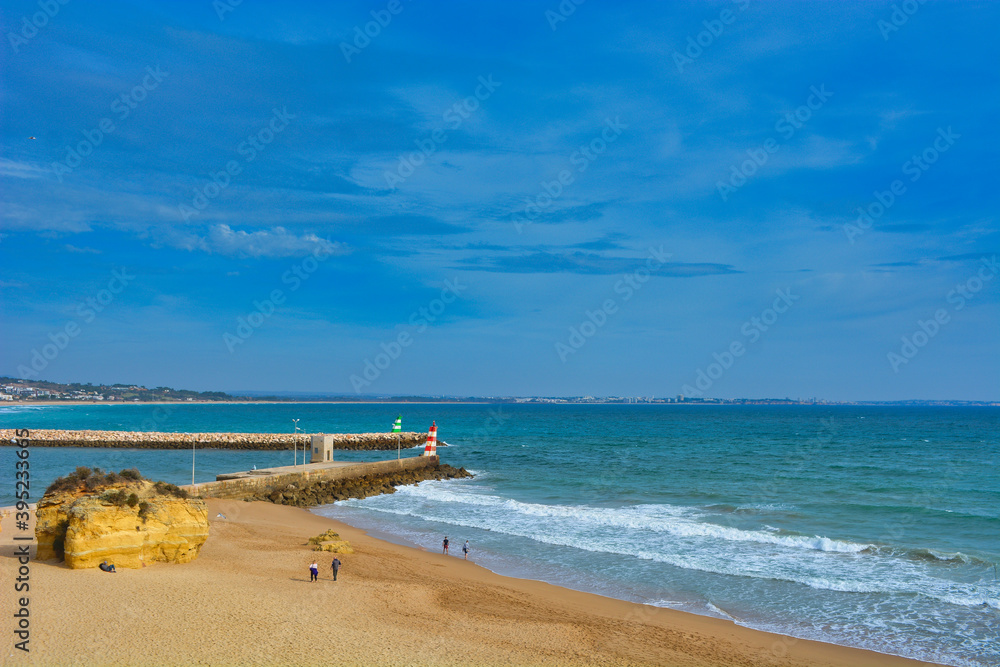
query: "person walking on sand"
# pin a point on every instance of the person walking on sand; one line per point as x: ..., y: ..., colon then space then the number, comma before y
x: 335, y: 566
x: 465, y: 549
x: 314, y: 572
x: 445, y: 545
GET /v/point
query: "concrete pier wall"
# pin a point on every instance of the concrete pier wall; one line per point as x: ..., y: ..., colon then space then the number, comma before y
x: 239, y: 485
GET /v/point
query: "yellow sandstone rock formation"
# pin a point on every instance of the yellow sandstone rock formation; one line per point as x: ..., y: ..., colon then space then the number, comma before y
x: 131, y: 525
x: 330, y: 541
x: 52, y: 520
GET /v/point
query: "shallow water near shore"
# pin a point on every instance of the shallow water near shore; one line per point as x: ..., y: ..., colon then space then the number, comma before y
x: 865, y: 526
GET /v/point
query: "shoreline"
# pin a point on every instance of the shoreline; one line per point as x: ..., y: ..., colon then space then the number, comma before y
x: 394, y: 604
x: 780, y: 645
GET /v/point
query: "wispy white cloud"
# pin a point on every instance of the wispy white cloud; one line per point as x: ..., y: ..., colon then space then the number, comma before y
x: 277, y: 242
x: 21, y: 169
x: 816, y: 152
x: 72, y: 248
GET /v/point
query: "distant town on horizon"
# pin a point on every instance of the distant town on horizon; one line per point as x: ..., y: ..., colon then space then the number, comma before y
x: 14, y: 390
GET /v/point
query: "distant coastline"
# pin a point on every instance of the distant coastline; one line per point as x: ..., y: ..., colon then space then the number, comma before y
x: 507, y: 401
x: 37, y: 392
x: 238, y: 402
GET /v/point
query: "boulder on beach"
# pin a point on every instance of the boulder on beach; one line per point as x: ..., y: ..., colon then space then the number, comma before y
x: 91, y: 516
x: 330, y: 541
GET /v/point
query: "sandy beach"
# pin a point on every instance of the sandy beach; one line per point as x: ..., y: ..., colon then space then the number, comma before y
x: 247, y: 600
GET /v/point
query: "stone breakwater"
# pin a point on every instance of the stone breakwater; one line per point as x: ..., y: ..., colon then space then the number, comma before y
x: 155, y: 440
x: 309, y: 493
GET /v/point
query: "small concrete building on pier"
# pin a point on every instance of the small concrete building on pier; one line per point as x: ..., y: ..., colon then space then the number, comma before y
x: 322, y: 448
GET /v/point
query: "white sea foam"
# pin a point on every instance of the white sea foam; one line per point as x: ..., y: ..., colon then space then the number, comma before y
x: 719, y: 612
x: 13, y: 409
x: 683, y: 537
x: 668, y: 604
x: 766, y: 507
x: 677, y: 521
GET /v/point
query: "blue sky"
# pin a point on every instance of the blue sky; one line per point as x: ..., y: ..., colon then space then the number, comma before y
x: 503, y: 198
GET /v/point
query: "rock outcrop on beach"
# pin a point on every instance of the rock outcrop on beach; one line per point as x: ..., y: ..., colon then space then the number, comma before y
x: 88, y: 517
x: 330, y: 541
x: 323, y: 492
x: 157, y: 440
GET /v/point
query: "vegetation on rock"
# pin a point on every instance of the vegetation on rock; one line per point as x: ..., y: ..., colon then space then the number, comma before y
x: 90, y: 515
x: 85, y: 479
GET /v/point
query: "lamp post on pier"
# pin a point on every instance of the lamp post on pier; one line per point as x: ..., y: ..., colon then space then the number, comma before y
x: 397, y: 427
x: 194, y: 442
x: 295, y: 445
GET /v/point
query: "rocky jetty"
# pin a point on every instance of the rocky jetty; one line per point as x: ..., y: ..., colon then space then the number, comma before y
x: 89, y: 516
x: 157, y: 440
x: 323, y: 492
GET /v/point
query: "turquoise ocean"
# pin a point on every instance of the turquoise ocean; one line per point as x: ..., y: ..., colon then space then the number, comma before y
x: 874, y: 527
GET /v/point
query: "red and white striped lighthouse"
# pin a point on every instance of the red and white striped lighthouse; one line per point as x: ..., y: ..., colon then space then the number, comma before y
x: 431, y: 448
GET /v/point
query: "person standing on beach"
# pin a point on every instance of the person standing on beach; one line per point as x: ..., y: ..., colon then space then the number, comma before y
x: 465, y: 549
x: 335, y: 565
x: 445, y: 545
x: 314, y: 572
